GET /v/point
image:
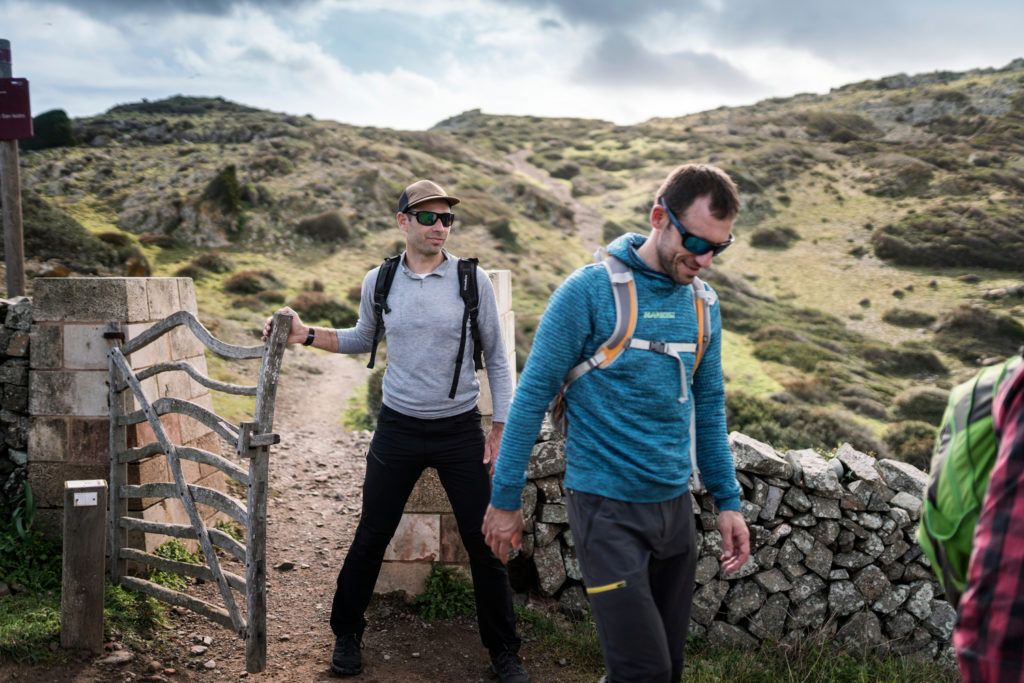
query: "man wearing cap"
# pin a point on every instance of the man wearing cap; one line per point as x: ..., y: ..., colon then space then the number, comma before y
x: 420, y: 426
x: 631, y: 427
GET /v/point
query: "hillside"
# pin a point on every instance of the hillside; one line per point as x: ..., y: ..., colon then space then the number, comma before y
x: 880, y: 254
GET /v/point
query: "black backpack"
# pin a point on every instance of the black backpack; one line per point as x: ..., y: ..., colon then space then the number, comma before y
x: 468, y: 292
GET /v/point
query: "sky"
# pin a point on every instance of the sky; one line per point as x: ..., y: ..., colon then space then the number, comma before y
x: 409, y: 64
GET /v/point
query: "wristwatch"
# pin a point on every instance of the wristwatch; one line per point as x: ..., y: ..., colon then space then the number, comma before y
x: 310, y: 337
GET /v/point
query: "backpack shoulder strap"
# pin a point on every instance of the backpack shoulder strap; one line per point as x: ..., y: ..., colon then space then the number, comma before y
x: 624, y: 293
x: 471, y: 298
x: 385, y: 276
x: 703, y: 299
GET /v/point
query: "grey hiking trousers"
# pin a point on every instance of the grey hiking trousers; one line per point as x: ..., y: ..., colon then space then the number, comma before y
x: 638, y: 562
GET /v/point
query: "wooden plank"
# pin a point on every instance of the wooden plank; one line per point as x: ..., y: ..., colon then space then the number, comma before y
x: 200, y: 494
x: 188, y: 453
x: 14, y: 242
x: 211, y: 612
x: 219, y: 538
x: 196, y: 571
x: 201, y: 333
x: 168, y: 404
x: 240, y: 389
x: 118, y: 471
x: 259, y: 458
x: 184, y: 491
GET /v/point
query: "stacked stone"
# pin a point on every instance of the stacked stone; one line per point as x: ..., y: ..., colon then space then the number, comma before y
x: 14, y: 345
x: 834, y: 553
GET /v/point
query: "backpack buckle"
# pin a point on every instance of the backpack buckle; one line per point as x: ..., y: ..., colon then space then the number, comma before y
x: 659, y: 347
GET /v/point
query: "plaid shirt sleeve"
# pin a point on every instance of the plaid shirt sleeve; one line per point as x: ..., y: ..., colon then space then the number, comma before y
x: 989, y: 635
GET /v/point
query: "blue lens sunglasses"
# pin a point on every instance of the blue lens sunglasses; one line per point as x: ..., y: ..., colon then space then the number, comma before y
x: 692, y: 243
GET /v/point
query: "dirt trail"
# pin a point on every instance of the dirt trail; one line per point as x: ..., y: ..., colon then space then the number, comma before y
x: 589, y: 223
x: 315, y: 497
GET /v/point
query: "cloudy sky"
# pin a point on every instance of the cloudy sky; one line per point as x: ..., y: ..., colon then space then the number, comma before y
x: 411, y: 63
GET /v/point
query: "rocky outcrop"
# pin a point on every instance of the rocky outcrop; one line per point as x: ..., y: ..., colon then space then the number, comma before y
x: 833, y: 551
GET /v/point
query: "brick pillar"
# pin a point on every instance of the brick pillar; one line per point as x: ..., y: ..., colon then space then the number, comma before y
x: 428, y: 532
x: 69, y: 417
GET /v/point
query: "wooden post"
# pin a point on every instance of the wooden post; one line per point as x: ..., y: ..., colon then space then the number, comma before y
x: 85, y: 532
x: 10, y: 195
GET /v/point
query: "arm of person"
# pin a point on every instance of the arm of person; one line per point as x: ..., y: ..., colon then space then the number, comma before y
x: 492, y: 444
x: 558, y: 344
x: 714, y: 457
x: 499, y: 373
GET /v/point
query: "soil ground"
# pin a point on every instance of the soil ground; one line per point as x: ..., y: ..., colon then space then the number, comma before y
x: 316, y: 477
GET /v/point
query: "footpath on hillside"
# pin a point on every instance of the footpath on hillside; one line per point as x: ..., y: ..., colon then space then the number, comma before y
x: 315, y: 498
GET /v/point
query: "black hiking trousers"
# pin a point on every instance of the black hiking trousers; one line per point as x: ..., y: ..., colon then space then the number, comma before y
x: 401, y: 448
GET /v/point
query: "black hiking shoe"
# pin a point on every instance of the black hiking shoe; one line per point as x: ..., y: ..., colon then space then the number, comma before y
x: 505, y: 664
x: 347, y: 660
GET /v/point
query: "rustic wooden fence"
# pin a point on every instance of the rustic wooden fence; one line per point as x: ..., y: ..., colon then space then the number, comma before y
x: 251, y: 441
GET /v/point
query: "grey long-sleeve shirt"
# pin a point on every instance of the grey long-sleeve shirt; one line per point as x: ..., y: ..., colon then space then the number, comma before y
x: 422, y: 332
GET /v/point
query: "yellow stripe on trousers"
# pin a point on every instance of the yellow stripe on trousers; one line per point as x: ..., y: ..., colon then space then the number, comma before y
x: 606, y: 587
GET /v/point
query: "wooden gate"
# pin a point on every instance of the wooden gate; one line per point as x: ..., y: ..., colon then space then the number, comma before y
x: 251, y: 442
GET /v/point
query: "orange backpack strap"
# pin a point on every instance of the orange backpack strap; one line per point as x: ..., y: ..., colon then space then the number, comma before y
x: 703, y: 299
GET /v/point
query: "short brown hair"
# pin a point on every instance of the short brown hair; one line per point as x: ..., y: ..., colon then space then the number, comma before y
x: 687, y: 182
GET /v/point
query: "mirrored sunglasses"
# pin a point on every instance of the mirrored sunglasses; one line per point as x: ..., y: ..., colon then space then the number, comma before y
x: 692, y: 243
x: 428, y: 218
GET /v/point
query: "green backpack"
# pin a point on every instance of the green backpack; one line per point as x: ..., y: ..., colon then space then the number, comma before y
x: 962, y: 461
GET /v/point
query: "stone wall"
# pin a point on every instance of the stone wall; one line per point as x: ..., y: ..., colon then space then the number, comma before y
x: 69, y: 435
x: 16, y: 317
x: 833, y: 551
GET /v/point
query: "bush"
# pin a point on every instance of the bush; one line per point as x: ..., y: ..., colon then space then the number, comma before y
x: 796, y: 426
x: 902, y: 362
x: 328, y: 226
x: 902, y: 317
x: 253, y: 303
x: 565, y: 171
x: 953, y: 236
x: 224, y: 190
x: 779, y: 237
x: 501, y: 229
x: 972, y: 333
x: 214, y: 261
x: 271, y: 296
x: 251, y: 282
x: 921, y: 404
x: 801, y: 355
x: 610, y: 230
x: 911, y: 442
x: 173, y: 549
x: 190, y: 271
x: 446, y: 594
x: 316, y: 306
x: 50, y: 129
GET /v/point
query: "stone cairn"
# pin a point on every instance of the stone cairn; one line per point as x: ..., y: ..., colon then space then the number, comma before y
x: 16, y: 315
x: 833, y: 555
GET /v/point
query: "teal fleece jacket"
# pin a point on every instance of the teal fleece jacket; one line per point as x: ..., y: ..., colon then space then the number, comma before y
x: 629, y: 434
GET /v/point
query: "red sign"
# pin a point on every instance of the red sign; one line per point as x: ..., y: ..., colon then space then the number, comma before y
x: 15, y: 114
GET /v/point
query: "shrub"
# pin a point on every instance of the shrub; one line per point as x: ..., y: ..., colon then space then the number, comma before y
x: 271, y: 296
x: 801, y: 355
x: 50, y: 129
x: 316, y: 306
x: 272, y: 165
x: 501, y: 229
x: 173, y: 549
x: 902, y: 317
x: 214, y: 261
x: 328, y: 226
x: 251, y: 282
x: 921, y: 404
x: 190, y: 271
x: 565, y: 171
x: 780, y: 237
x: 911, y: 442
x: 50, y: 233
x: 610, y: 230
x: 224, y: 190
x: 837, y: 126
x: 796, y: 426
x: 253, y: 303
x: 972, y: 333
x: 902, y: 361
x: 446, y: 594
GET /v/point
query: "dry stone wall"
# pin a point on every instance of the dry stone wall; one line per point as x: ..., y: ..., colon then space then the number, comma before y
x: 833, y: 551
x: 16, y: 315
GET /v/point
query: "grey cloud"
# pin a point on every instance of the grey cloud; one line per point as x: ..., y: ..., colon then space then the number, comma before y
x: 609, y: 13
x: 550, y: 24
x: 620, y: 61
x: 114, y: 8
x: 871, y: 29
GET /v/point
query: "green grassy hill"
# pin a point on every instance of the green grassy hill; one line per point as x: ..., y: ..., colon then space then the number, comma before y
x: 880, y: 255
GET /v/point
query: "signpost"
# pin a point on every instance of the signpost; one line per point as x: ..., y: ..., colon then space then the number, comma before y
x: 15, y: 124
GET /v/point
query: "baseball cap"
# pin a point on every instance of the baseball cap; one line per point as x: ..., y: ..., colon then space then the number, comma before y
x: 421, y: 191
